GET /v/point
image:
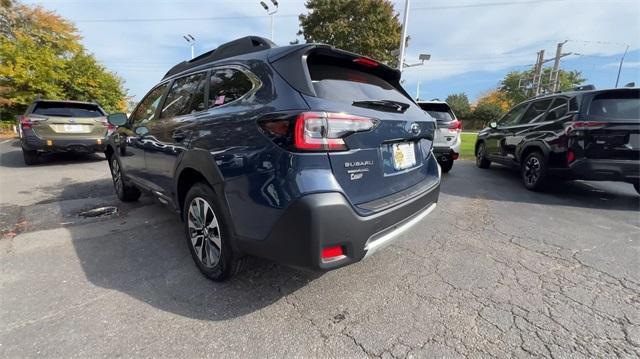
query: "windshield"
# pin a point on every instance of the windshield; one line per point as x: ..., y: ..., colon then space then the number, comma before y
x: 66, y: 109
x: 616, y: 104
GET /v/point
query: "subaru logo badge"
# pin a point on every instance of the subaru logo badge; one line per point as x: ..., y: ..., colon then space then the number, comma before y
x: 415, y: 128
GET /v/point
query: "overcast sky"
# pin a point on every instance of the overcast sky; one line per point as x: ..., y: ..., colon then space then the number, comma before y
x: 472, y: 43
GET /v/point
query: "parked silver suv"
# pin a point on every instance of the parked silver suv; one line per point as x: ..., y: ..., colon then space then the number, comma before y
x: 446, y: 144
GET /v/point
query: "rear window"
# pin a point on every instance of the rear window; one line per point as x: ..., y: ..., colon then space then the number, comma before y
x: 343, y: 84
x: 66, y: 109
x: 440, y: 111
x: 616, y: 104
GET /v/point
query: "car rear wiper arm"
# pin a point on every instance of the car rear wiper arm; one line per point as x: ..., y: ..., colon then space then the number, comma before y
x: 383, y: 104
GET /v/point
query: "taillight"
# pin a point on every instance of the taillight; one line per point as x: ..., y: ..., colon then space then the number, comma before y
x: 27, y: 122
x: 583, y: 125
x: 105, y: 122
x: 316, y: 131
x: 455, y: 125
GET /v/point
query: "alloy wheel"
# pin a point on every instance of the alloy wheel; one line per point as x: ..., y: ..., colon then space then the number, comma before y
x: 532, y: 170
x: 480, y: 154
x: 204, y: 232
x: 116, y: 174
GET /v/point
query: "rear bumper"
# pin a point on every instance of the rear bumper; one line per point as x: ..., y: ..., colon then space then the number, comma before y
x: 321, y: 220
x: 31, y: 142
x: 446, y: 153
x: 601, y: 170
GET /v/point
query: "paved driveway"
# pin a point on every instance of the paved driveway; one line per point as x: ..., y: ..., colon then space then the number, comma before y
x: 494, y: 271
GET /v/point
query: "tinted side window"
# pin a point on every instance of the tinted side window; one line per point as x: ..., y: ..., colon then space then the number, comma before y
x: 185, y: 96
x: 558, y: 109
x: 535, y: 111
x: 227, y: 85
x: 513, y: 116
x: 146, y: 109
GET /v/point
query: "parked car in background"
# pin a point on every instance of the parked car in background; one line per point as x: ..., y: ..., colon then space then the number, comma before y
x: 587, y: 135
x: 447, y: 140
x: 61, y: 126
x: 306, y: 155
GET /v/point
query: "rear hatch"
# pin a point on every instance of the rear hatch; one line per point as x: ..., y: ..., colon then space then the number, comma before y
x: 67, y: 120
x: 609, y: 126
x: 391, y: 156
x: 448, y: 127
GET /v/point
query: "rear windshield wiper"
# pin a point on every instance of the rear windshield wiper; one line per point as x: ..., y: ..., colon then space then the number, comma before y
x: 387, y: 105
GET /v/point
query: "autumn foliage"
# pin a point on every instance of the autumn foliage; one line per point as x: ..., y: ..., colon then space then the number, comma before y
x: 41, y: 56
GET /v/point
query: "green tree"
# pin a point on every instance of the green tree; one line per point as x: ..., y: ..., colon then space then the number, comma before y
x: 41, y: 55
x: 512, y: 84
x: 367, y: 27
x: 460, y: 105
x: 485, y: 112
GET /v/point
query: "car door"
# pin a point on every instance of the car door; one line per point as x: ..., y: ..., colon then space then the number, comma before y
x: 514, y: 134
x: 131, y: 138
x: 169, y: 135
x: 496, y: 136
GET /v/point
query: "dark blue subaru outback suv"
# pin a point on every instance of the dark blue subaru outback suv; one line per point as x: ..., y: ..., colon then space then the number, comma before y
x: 307, y: 155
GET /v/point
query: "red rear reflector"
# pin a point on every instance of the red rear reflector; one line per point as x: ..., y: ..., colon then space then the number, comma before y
x: 455, y: 155
x: 571, y: 156
x: 332, y: 252
x: 366, y: 62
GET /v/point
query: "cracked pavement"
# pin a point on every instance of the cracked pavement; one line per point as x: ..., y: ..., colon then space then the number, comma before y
x: 494, y: 271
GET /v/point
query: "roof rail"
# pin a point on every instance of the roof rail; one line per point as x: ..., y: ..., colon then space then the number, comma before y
x: 240, y: 46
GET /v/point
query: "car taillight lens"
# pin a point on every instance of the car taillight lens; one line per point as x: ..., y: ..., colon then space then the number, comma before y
x: 104, y: 121
x: 316, y: 131
x: 332, y: 253
x: 455, y: 125
x: 583, y: 125
x: 27, y: 122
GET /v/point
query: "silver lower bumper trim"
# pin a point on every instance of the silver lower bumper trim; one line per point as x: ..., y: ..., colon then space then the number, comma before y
x: 387, y: 238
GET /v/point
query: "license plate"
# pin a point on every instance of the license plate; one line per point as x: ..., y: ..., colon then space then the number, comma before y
x: 404, y: 155
x: 73, y: 128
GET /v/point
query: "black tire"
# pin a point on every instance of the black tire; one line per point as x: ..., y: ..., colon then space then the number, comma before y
x: 446, y: 165
x: 30, y: 157
x: 637, y: 187
x: 481, y: 156
x: 124, y: 191
x: 209, y: 243
x: 533, y: 171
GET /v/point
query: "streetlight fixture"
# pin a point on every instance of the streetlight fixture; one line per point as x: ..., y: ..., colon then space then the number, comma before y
x: 270, y: 12
x: 191, y: 41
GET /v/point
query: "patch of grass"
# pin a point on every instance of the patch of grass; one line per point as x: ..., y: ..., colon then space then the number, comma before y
x: 467, y: 148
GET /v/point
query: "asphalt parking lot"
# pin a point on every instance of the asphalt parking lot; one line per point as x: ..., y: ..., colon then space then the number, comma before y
x: 495, y: 270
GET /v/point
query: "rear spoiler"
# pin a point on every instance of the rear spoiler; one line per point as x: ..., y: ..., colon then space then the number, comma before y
x: 291, y: 63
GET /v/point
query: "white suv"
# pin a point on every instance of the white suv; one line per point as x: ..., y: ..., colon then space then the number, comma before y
x: 446, y: 144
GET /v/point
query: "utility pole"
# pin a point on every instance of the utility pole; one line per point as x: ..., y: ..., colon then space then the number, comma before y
x: 537, y: 73
x: 403, y: 39
x: 620, y: 67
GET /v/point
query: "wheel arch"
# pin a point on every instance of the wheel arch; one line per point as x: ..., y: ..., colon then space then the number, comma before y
x: 196, y: 166
x: 532, y: 147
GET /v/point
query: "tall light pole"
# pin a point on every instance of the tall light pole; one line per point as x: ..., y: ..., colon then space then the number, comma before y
x: 620, y: 67
x: 403, y: 40
x: 191, y: 41
x: 270, y: 12
x: 422, y: 58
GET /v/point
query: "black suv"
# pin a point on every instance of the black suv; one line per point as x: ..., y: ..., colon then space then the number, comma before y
x: 307, y: 155
x: 588, y: 135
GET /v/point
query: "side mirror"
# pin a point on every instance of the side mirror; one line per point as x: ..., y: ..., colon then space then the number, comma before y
x: 493, y: 125
x: 141, y: 131
x: 117, y: 119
